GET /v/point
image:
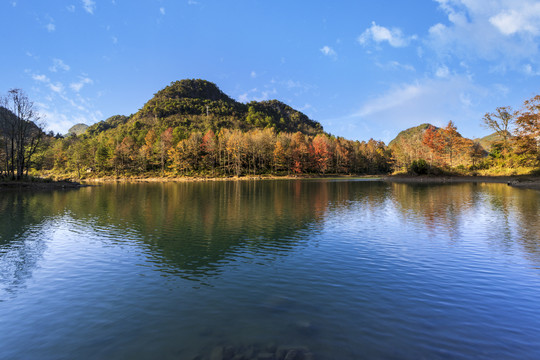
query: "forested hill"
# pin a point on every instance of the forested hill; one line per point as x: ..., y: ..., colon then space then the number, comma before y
x: 199, y: 105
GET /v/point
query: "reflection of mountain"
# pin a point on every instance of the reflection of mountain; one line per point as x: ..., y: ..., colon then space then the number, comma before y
x: 197, y: 227
x: 513, y: 214
x: 194, y: 228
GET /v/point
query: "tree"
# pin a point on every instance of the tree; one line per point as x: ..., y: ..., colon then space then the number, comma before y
x: 501, y: 121
x: 453, y: 140
x: 528, y: 129
x: 19, y: 130
x: 165, y: 143
x: 435, y: 142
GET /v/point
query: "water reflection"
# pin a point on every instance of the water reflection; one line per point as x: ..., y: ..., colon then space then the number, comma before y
x: 346, y: 268
x: 506, y: 216
x: 194, y: 229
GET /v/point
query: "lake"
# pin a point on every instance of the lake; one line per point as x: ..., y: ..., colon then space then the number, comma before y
x: 332, y: 269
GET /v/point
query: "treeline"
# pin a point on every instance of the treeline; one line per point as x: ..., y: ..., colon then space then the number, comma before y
x: 191, y: 128
x: 227, y: 153
x: 514, y: 145
x: 20, y: 134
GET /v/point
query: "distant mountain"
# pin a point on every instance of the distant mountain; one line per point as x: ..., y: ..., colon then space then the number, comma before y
x: 487, y: 141
x: 409, y: 145
x: 77, y: 129
x: 104, y: 125
x: 413, y: 134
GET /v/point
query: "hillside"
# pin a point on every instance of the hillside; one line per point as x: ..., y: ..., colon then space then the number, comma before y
x: 199, y: 105
x: 489, y: 140
x: 439, y: 146
x: 77, y: 129
x: 413, y: 134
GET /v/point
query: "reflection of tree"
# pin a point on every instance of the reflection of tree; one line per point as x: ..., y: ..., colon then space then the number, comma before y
x: 513, y: 213
x: 437, y: 206
x: 195, y: 228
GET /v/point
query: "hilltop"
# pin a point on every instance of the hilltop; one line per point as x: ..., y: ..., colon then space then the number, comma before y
x: 199, y: 105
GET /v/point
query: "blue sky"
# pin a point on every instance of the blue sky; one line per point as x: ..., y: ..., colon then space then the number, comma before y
x: 364, y: 69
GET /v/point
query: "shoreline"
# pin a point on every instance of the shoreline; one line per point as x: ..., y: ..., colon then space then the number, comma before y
x: 41, y: 185
x: 231, y: 178
x: 517, y: 181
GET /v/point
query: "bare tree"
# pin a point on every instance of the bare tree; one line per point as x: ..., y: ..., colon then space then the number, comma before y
x: 20, y: 132
x: 501, y: 121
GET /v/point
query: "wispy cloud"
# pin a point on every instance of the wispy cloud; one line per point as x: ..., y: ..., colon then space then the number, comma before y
x: 162, y: 10
x: 77, y: 86
x: 379, y: 34
x: 395, y: 65
x: 253, y: 74
x: 70, y: 8
x: 56, y: 87
x: 442, y: 71
x: 328, y: 51
x: 50, y: 26
x: 89, y: 6
x: 40, y: 78
x: 58, y: 64
x: 432, y: 100
x: 257, y: 95
x: 504, y: 32
x: 522, y: 18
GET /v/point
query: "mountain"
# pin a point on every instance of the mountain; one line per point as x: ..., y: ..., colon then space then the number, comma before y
x: 77, y: 129
x: 199, y: 105
x: 413, y: 134
x: 489, y: 140
x: 442, y: 146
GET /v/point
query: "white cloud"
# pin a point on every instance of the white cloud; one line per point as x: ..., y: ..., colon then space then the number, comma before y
x: 442, y: 72
x: 58, y: 64
x: 395, y: 65
x: 50, y: 27
x: 192, y: 2
x: 79, y: 85
x: 521, y: 19
x: 243, y: 98
x: 70, y: 8
x: 40, y: 78
x: 162, y: 10
x: 114, y: 40
x: 257, y: 95
x: 504, y: 32
x: 89, y: 6
x: 328, y: 51
x: 253, y: 74
x: 57, y: 87
x: 378, y: 34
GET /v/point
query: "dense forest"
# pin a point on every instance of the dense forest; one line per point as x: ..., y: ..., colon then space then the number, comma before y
x: 192, y: 128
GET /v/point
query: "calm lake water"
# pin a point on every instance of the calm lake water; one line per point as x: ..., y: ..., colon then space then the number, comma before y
x: 347, y: 269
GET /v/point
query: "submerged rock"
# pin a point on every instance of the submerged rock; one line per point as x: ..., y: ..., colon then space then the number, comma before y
x: 258, y: 352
